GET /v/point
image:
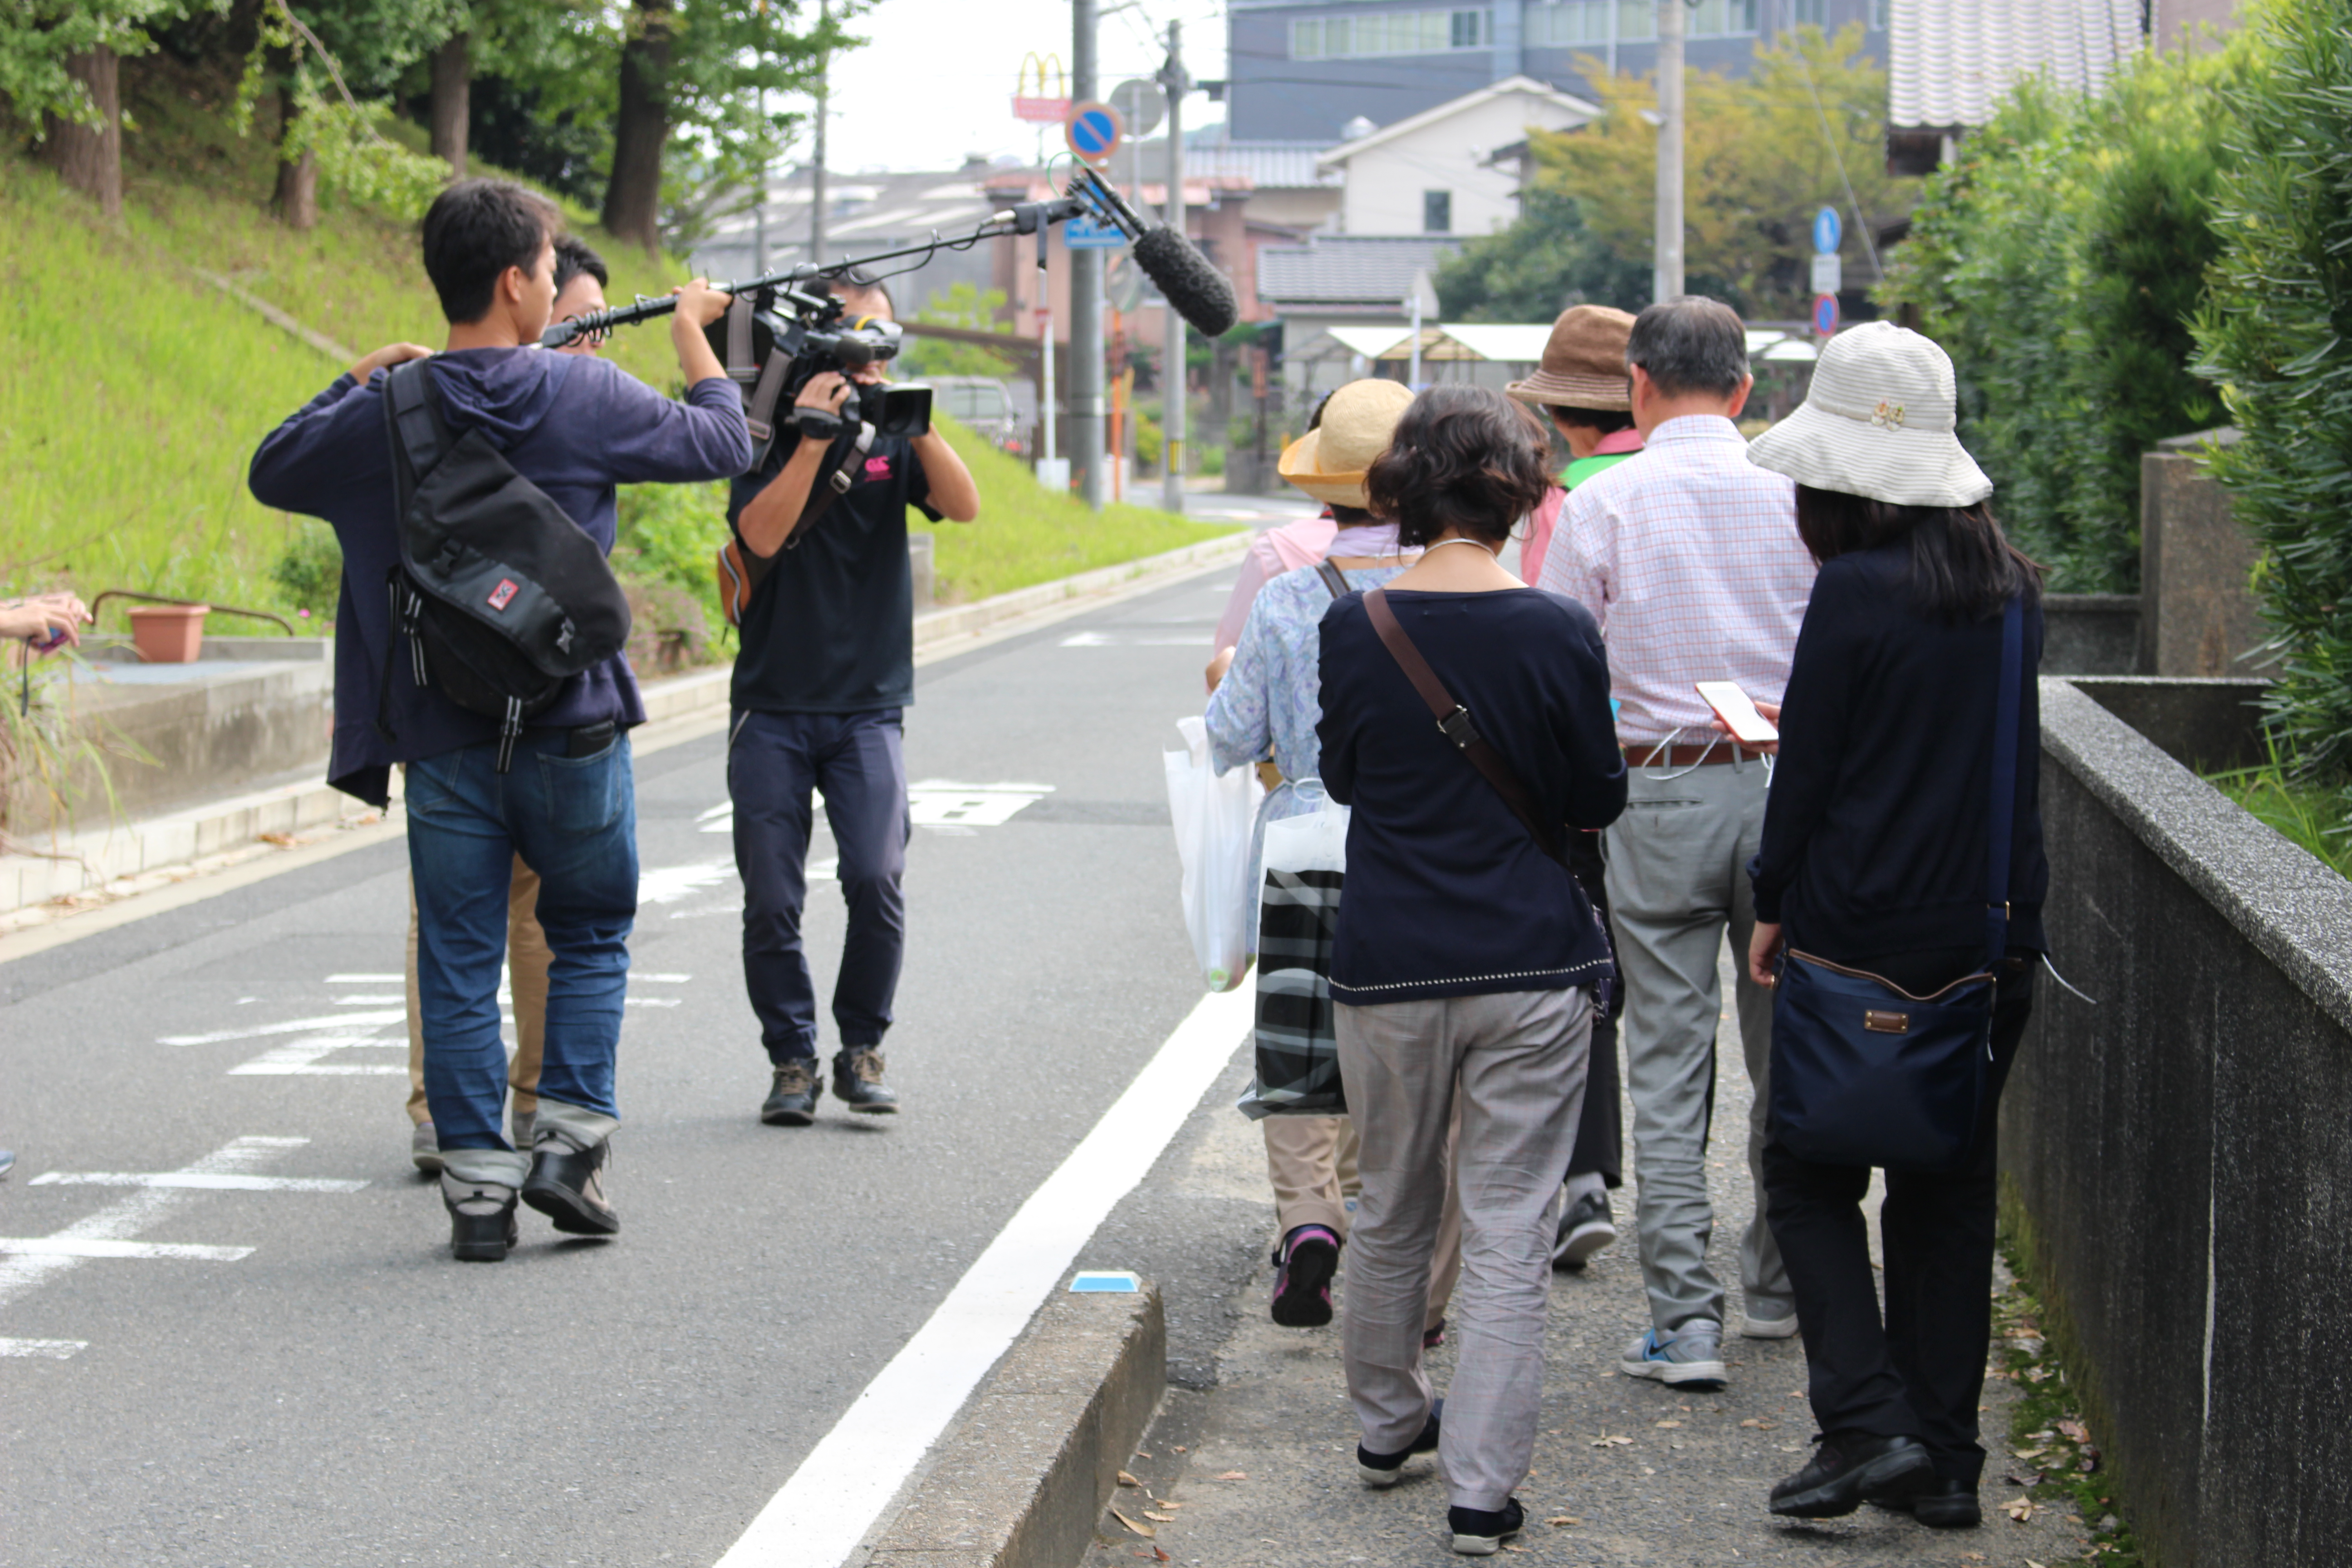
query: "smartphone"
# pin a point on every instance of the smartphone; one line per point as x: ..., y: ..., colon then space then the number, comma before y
x: 1734, y: 708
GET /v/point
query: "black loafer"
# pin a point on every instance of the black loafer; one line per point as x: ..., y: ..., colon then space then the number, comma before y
x: 482, y: 1228
x: 1937, y: 1501
x: 1480, y: 1532
x: 1848, y: 1469
x: 857, y: 1082
x: 793, y: 1101
x: 567, y: 1186
x: 1386, y: 1469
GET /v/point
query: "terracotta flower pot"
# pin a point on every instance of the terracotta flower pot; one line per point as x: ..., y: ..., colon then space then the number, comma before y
x: 168, y: 634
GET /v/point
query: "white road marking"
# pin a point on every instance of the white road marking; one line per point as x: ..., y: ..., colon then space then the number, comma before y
x: 1138, y: 639
x: 340, y: 1022
x: 195, y: 1181
x: 672, y: 884
x: 126, y: 1217
x: 69, y: 1247
x: 649, y: 1002
x: 307, y: 1058
x: 660, y: 979
x: 52, y: 1350
x: 829, y: 1503
x: 936, y: 802
x: 371, y: 1000
x: 366, y: 979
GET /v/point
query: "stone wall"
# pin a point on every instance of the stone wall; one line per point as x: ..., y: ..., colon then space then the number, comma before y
x: 2183, y: 1150
x: 2195, y: 564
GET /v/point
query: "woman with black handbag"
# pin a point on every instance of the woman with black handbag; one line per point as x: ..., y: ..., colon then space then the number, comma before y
x: 1467, y: 956
x: 1898, y: 901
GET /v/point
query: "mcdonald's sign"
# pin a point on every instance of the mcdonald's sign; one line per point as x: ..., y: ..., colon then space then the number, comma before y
x: 1050, y: 104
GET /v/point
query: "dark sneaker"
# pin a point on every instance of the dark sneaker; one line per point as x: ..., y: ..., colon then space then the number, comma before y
x: 1586, y: 1228
x: 1434, y: 1336
x: 1480, y: 1532
x: 567, y: 1184
x: 482, y: 1220
x: 1304, y: 1265
x: 793, y: 1101
x: 1937, y: 1501
x: 425, y: 1149
x: 1386, y: 1469
x: 857, y: 1082
x: 1850, y: 1469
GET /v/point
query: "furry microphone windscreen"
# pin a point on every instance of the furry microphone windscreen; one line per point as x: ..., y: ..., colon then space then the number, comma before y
x: 1201, y: 294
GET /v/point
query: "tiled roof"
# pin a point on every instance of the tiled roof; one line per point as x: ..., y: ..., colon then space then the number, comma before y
x: 1265, y: 165
x: 1343, y: 269
x: 1950, y: 61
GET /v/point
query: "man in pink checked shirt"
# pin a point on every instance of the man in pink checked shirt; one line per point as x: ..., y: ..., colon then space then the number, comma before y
x: 1688, y: 555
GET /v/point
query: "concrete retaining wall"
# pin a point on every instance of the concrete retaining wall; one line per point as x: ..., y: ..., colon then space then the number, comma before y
x: 2183, y: 1150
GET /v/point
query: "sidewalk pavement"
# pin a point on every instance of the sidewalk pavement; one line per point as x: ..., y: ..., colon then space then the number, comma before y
x: 1259, y: 1469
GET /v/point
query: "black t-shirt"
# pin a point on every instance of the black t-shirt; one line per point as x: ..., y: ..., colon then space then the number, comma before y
x: 832, y: 626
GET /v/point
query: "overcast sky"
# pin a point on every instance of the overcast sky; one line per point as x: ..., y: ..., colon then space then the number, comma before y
x: 936, y: 82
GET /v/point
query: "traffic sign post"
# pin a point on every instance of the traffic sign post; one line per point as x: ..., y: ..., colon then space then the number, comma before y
x: 1829, y: 274
x: 1093, y: 131
x: 1142, y: 105
x: 1084, y: 234
x: 1826, y: 315
x: 1827, y: 231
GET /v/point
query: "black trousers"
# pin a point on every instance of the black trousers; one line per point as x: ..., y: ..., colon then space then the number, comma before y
x: 1919, y: 1370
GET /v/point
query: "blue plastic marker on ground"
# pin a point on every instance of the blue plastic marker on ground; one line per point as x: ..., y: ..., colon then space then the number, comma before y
x: 1105, y: 1281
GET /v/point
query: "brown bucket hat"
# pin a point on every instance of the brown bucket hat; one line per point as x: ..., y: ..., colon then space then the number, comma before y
x: 1584, y: 362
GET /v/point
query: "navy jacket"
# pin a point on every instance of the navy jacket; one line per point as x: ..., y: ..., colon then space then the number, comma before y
x: 573, y: 426
x: 1448, y: 894
x: 1875, y: 832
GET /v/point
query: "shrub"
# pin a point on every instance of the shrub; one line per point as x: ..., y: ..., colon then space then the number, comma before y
x: 311, y: 570
x: 669, y: 535
x: 2276, y: 332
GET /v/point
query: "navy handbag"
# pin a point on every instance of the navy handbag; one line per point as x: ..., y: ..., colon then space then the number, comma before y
x: 1863, y: 1073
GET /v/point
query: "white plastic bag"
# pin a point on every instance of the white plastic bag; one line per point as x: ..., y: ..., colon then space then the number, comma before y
x: 1214, y: 816
x: 1297, y: 1051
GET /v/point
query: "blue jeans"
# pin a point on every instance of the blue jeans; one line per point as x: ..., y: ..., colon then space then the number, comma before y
x: 856, y: 760
x: 576, y: 820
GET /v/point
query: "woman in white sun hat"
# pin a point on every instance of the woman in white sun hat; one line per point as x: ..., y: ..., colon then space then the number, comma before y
x: 1874, y: 857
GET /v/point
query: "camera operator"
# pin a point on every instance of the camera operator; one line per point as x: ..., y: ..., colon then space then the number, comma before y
x: 825, y: 672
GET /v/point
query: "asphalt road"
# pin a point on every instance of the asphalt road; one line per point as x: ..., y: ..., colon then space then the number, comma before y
x: 270, y: 1359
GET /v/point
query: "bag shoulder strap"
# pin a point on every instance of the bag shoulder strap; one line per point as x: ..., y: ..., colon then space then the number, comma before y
x: 2008, y: 741
x: 1332, y: 579
x: 413, y: 412
x: 1453, y: 724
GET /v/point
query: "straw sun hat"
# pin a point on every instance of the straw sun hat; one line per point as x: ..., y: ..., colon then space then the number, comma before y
x: 1877, y: 423
x: 1328, y: 462
x: 1583, y: 362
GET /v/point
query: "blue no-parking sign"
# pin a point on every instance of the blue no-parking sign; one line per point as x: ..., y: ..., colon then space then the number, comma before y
x: 1827, y: 232
x: 1093, y: 130
x: 1825, y: 314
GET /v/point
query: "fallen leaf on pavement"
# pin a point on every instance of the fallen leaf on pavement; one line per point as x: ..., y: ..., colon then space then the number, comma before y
x: 1127, y: 1480
x: 1144, y: 1530
x: 2022, y: 1477
x: 2020, y: 1509
x: 1157, y: 1555
x: 1564, y: 1519
x: 1141, y: 1455
x: 1511, y: 1546
x: 1760, y: 1425
x: 1669, y: 1422
x: 283, y: 840
x: 1181, y: 1450
x: 2029, y: 1562
x: 1234, y: 1476
x: 1160, y: 1518
x: 2076, y: 1430
x: 1606, y: 1441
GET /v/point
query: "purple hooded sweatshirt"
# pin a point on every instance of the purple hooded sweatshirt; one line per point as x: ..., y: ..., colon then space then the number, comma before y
x: 573, y: 426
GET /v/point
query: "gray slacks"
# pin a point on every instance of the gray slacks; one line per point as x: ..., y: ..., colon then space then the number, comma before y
x: 1519, y: 1057
x: 1677, y: 878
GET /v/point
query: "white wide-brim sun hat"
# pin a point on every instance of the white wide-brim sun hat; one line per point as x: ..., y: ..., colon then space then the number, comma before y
x: 1877, y: 422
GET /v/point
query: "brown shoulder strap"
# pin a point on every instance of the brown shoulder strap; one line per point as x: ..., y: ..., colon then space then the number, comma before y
x: 1332, y: 579
x: 1453, y: 724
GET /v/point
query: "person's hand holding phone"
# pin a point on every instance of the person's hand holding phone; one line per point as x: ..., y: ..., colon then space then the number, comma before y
x: 1771, y: 712
x: 46, y: 622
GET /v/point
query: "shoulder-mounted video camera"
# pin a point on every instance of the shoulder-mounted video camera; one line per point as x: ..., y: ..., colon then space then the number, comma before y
x: 774, y: 339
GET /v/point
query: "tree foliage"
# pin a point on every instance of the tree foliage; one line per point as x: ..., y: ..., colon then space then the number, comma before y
x: 1537, y: 267
x: 2276, y: 333
x: 974, y: 310
x: 2058, y: 259
x: 38, y: 37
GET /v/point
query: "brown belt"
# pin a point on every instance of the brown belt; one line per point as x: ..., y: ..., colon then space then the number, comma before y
x: 1270, y: 776
x: 1639, y: 754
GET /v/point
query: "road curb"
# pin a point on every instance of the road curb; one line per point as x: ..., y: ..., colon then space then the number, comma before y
x: 1020, y: 1478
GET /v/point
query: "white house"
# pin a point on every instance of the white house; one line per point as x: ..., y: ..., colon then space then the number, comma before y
x: 1433, y: 173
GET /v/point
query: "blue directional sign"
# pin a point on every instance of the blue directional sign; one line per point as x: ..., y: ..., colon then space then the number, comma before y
x: 1093, y: 130
x: 1827, y: 231
x: 1084, y: 234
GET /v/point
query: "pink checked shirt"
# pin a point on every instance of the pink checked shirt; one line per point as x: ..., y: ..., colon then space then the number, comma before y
x: 1688, y: 555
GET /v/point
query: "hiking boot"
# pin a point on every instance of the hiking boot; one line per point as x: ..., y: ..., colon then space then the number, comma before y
x: 793, y: 1101
x: 1304, y: 1265
x: 481, y: 1219
x: 1850, y: 1467
x: 1386, y: 1469
x: 857, y: 1082
x: 425, y: 1149
x: 1480, y: 1532
x: 1587, y: 1228
x: 567, y: 1184
x: 1689, y: 1357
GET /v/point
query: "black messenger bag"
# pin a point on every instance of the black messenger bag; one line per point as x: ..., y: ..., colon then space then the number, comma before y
x: 500, y: 594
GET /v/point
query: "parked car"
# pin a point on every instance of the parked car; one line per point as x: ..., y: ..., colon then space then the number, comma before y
x: 1004, y: 413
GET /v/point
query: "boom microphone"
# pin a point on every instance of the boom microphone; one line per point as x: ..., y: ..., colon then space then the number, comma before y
x: 1199, y: 292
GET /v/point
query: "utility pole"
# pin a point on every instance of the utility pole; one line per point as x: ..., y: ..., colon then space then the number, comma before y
x: 1086, y: 298
x: 759, y: 200
x: 1666, y: 274
x: 1171, y: 370
x: 816, y: 187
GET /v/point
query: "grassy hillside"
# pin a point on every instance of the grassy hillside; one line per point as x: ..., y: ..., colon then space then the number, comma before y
x: 132, y: 393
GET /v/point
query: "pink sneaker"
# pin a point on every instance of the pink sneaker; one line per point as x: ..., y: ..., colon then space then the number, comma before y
x: 1305, y: 1263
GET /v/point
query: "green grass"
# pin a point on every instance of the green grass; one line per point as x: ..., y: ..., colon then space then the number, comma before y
x: 2312, y: 816
x: 134, y: 393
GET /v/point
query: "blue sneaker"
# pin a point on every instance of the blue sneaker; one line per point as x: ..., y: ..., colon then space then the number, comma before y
x: 1689, y: 1357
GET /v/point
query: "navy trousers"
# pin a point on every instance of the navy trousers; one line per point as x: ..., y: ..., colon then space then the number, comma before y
x: 856, y: 761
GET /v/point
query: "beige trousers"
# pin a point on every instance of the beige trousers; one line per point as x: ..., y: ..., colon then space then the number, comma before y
x: 527, y: 961
x: 1311, y: 1162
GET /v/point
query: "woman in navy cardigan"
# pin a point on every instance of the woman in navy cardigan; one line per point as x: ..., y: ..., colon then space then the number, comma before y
x: 1466, y: 956
x: 1875, y: 855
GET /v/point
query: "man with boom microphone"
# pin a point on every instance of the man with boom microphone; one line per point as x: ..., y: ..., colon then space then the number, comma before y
x: 821, y: 685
